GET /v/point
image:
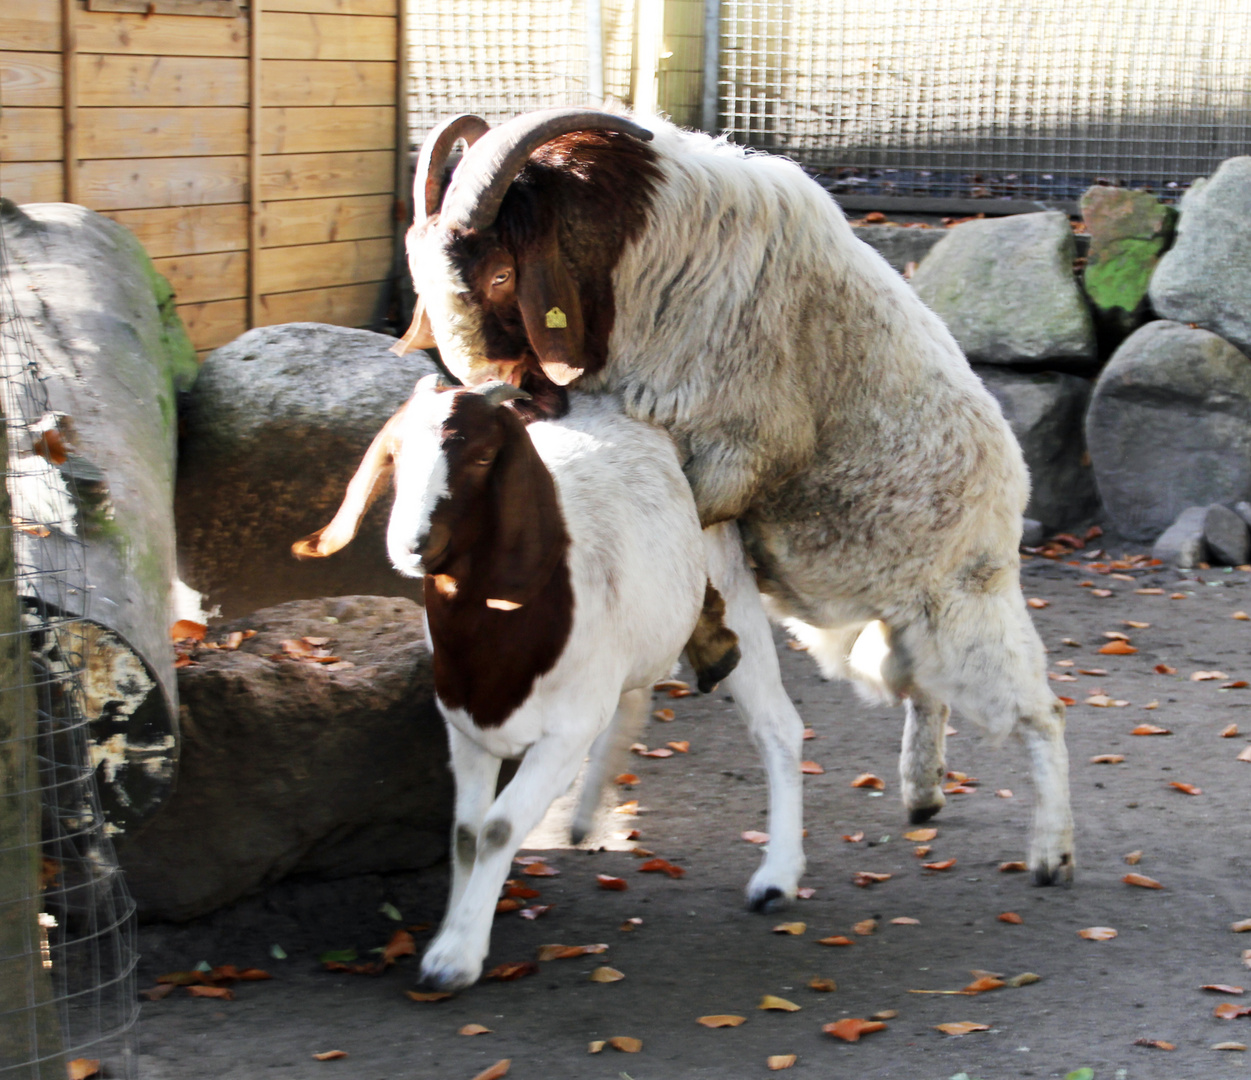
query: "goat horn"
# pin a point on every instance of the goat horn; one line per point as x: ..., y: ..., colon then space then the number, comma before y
x: 474, y: 197
x: 498, y: 392
x: 434, y: 153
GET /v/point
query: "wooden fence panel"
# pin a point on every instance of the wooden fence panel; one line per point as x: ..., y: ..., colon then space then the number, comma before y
x: 303, y: 36
x: 138, y: 182
x: 32, y: 181
x: 31, y: 134
x: 161, y: 81
x: 333, y: 7
x: 288, y: 176
x: 187, y: 230
x: 33, y: 25
x: 288, y: 269
x: 297, y: 131
x: 137, y: 133
x: 215, y: 323
x: 197, y: 278
x: 347, y: 305
x: 30, y: 79
x: 321, y: 221
x: 159, y: 35
x: 327, y: 82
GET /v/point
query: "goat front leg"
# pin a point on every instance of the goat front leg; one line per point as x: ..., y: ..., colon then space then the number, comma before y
x: 476, y: 772
x: 923, y: 761
x: 775, y: 726
x: 454, y: 958
x: 1051, y: 844
x: 607, y: 753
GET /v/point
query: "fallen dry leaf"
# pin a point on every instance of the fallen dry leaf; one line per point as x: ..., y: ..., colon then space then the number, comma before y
x: 568, y: 952
x: 663, y: 715
x: 837, y: 939
x: 596, y: 1046
x: 1024, y: 979
x: 1115, y: 635
x: 1142, y: 881
x: 659, y: 752
x: 1152, y: 705
x: 811, y: 768
x: 540, y: 869
x: 1150, y: 729
x: 1003, y: 793
x: 752, y: 836
x: 946, y: 864
x: 612, y: 884
x: 1103, y: 701
x: 720, y: 1020
x: 1207, y: 676
x: 1014, y: 867
x: 905, y: 920
x: 852, y: 1028
x: 1245, y: 755
x: 626, y: 778
x: 1229, y: 1011
x: 1184, y: 788
x: 1038, y: 604
x: 957, y: 788
x: 187, y: 630
x: 517, y: 969
x: 494, y: 1072
x: 606, y: 974
x: 854, y: 838
x: 921, y: 836
x: 1010, y: 917
x: 1229, y: 1046
x: 1136, y: 625
x: 1237, y: 684
x: 631, y: 924
x: 865, y: 878
x: 474, y: 1029
x: 865, y: 927
x: 1230, y: 731
x: 1241, y: 616
x: 429, y: 995
x: 330, y: 1055
x: 777, y: 1062
x: 513, y: 888
x: 809, y: 733
x: 1177, y: 596
x: 961, y: 1027
x: 1223, y: 988
x: 769, y: 1001
x: 1092, y: 671
x: 824, y: 985
x: 794, y: 928
x: 661, y: 866
x: 1241, y: 926
x: 1164, y: 669
x: 806, y: 892
x: 982, y: 985
x: 223, y: 992
x: 82, y: 1068
x: 1066, y: 700
x: 507, y: 904
x: 1159, y: 1044
x: 682, y: 746
x: 1134, y: 858
x: 1107, y: 759
x: 868, y: 780
x: 1118, y: 648
x: 921, y: 850
x: 1097, y: 933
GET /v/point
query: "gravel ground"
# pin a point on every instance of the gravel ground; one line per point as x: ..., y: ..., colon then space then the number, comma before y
x: 698, y: 952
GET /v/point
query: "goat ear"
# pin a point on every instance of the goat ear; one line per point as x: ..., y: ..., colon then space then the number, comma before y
x: 552, y: 312
x: 531, y: 538
x: 371, y: 477
x: 420, y: 333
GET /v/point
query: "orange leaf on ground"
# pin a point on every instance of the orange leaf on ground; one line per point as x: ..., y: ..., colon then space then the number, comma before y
x: 1142, y: 881
x: 865, y: 927
x: 1012, y: 867
x: 429, y: 995
x: 1237, y: 684
x: 1149, y: 592
x: 535, y: 911
x: 868, y: 780
x: 330, y: 1055
x: 905, y: 920
x: 921, y: 850
x: 626, y: 1044
x: 1150, y: 729
x: 1107, y: 759
x: 629, y: 807
x: 805, y: 892
x: 854, y: 838
x: 81, y: 1068
x: 1038, y: 604
x: 1003, y: 793
x: 682, y: 746
x: 1097, y: 933
x: 824, y: 985
x: 568, y: 952
x: 606, y: 974
x: 1241, y: 616
x: 510, y: 972
x: 663, y: 715
x: 507, y: 904
x: 946, y: 864
x: 1229, y: 1011
x: 811, y: 768
x: 777, y: 1062
x: 1010, y: 917
x: 865, y: 878
x: 515, y: 889
x: 794, y: 928
x: 837, y: 939
x: 671, y: 684
x: 809, y: 734
x: 921, y: 836
x: 720, y: 1020
x: 1118, y: 647
x: 626, y: 778
x: 1159, y: 1044
x: 1223, y: 988
x: 494, y: 1072
x: 769, y: 1001
x: 1185, y: 789
x: 474, y: 1029
x: 186, y: 630
x: 956, y: 788
x: 1230, y: 731
x: 1164, y: 669
x: 223, y: 992
x: 961, y: 1027
x: 612, y: 884
x: 1101, y: 593
x: 1240, y: 927
x: 1207, y: 676
x: 541, y: 869
x: 852, y: 1028
x: 982, y: 985
x: 659, y: 752
x: 1067, y: 700
x: 596, y: 1046
x: 752, y: 836
x: 1245, y: 755
x: 661, y: 866
x: 1134, y: 858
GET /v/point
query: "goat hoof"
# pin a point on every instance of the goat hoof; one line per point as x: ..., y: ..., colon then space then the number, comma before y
x: 918, y: 815
x: 1061, y: 873
x: 578, y: 833
x: 771, y: 900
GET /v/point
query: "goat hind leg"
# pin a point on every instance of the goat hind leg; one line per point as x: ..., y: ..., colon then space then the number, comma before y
x: 607, y: 753
x: 1051, y: 843
x: 922, y: 761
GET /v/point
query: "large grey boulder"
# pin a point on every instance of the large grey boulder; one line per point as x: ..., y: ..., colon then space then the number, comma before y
x: 1206, y: 277
x: 899, y: 245
x: 1183, y: 543
x: 274, y: 430
x: 1226, y: 535
x: 297, y: 767
x: 1169, y: 427
x: 1046, y: 413
x: 1005, y: 288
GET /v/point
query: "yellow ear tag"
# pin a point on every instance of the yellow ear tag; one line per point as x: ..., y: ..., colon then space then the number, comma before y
x: 556, y: 320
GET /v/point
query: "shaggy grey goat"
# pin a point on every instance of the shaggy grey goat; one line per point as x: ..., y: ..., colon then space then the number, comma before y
x: 814, y: 399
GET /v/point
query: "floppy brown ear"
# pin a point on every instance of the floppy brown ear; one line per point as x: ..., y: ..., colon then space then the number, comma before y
x: 552, y: 312
x: 371, y: 477
x: 420, y: 333
x: 530, y: 537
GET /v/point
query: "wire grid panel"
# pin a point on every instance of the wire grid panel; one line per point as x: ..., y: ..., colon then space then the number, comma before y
x: 990, y: 98
x: 495, y: 58
x: 74, y: 942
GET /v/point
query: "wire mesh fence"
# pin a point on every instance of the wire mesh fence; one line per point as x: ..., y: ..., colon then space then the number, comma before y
x: 67, y: 948
x: 1026, y: 99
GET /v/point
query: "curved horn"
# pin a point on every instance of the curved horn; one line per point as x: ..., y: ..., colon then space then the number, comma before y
x: 434, y: 153
x: 477, y: 189
x: 498, y: 392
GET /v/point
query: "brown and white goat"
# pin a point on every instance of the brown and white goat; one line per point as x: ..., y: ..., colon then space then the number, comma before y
x: 813, y: 398
x: 564, y: 572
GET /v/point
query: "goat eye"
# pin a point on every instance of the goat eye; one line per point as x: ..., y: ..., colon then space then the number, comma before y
x: 485, y: 459
x: 501, y: 278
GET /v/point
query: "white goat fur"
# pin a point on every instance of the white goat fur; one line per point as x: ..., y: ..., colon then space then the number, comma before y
x: 816, y: 399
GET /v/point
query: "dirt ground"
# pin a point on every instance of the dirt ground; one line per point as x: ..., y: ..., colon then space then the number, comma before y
x: 698, y: 952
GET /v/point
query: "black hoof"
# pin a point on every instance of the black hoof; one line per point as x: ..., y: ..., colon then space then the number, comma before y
x: 772, y: 899
x: 922, y: 814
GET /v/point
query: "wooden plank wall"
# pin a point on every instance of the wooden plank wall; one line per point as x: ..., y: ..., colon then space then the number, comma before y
x: 163, y: 148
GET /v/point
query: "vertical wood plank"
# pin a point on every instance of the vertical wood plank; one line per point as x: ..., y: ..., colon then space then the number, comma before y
x: 69, y: 105
x: 254, y: 163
